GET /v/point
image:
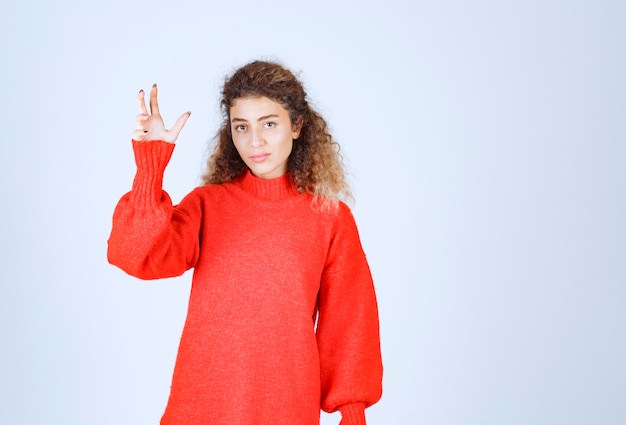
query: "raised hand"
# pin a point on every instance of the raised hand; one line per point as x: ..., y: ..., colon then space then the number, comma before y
x: 150, y: 126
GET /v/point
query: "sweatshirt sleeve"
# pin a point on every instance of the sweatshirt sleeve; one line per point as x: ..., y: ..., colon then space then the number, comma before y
x: 348, y: 333
x: 150, y: 238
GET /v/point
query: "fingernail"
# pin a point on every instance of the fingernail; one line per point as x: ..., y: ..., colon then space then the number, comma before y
x: 140, y: 91
x: 146, y: 115
x: 188, y: 112
x: 154, y: 85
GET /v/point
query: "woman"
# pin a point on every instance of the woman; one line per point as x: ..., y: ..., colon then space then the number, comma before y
x: 282, y: 317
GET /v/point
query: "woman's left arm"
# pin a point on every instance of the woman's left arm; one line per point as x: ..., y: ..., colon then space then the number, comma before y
x: 348, y: 333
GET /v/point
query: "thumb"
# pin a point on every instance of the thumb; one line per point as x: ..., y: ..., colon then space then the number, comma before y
x: 180, y: 123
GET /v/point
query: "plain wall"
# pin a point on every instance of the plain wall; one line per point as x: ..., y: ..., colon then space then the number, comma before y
x: 486, y: 143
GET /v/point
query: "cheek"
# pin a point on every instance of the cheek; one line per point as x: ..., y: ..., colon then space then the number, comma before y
x: 287, y: 146
x: 238, y: 140
x: 239, y: 145
x: 287, y: 140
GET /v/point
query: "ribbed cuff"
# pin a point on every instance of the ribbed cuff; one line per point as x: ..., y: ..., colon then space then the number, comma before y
x: 151, y: 158
x: 352, y: 414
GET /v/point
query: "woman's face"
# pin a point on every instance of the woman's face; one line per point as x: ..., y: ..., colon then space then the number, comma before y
x: 263, y: 135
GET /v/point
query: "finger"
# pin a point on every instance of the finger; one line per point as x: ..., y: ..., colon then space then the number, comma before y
x: 154, y: 104
x: 180, y: 123
x: 139, y: 135
x: 141, y: 103
x: 141, y: 119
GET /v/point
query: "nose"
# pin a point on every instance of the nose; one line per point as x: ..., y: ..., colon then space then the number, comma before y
x: 256, y: 138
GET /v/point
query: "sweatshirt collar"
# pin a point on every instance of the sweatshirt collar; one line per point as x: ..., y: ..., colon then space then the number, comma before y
x: 275, y: 189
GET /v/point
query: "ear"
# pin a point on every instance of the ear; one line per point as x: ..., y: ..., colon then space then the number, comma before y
x: 297, y: 127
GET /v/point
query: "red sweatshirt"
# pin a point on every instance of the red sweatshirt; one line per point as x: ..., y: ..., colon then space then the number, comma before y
x: 282, y: 317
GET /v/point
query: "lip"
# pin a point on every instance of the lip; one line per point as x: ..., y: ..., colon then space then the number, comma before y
x: 259, y: 157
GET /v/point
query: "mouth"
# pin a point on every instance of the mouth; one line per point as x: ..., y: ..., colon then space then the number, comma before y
x: 259, y: 157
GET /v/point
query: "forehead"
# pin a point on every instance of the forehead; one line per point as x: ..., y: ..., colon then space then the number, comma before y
x: 252, y: 107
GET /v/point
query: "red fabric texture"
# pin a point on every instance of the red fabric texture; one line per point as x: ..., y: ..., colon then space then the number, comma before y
x: 282, y: 317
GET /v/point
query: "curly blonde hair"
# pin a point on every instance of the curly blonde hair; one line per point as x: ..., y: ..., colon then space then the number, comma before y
x: 315, y: 165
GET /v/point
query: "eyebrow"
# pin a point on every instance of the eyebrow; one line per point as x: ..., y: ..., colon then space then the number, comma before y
x: 264, y: 117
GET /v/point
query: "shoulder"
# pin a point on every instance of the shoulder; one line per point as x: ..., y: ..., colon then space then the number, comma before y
x: 209, y: 190
x: 340, y: 213
x: 341, y: 220
x: 203, y: 195
x: 345, y: 249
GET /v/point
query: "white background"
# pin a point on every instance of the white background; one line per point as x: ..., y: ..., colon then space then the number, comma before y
x: 487, y: 147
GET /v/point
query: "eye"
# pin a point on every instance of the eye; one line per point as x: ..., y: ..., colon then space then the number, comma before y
x: 270, y: 124
x: 240, y: 127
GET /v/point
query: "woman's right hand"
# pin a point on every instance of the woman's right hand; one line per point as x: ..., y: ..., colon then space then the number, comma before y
x: 150, y: 126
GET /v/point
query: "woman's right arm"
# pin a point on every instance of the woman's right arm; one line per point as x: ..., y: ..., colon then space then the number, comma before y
x: 151, y: 238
